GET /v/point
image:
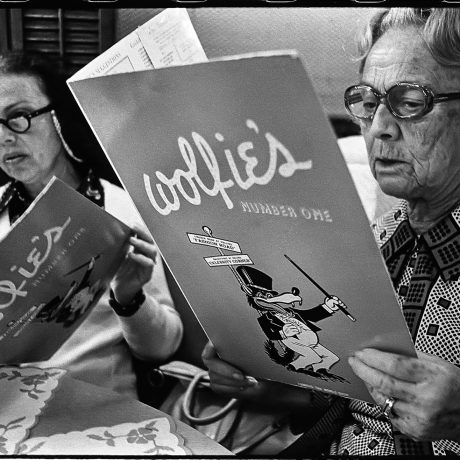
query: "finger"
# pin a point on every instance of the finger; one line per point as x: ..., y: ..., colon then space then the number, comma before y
x: 427, y: 357
x: 406, y: 426
x: 230, y: 382
x: 218, y: 378
x: 399, y: 366
x: 221, y: 371
x: 143, y: 247
x: 401, y: 409
x: 142, y: 233
x: 141, y: 260
x: 221, y: 376
x: 382, y: 382
x: 220, y: 368
x: 229, y: 390
x: 381, y: 399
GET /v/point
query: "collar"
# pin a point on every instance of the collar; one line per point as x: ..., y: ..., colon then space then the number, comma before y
x: 16, y: 199
x: 442, y: 241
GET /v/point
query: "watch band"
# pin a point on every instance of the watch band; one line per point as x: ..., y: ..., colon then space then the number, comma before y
x: 131, y: 308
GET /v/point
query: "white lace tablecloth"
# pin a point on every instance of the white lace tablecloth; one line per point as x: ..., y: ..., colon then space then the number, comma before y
x: 151, y: 437
x: 47, y: 412
x: 24, y: 393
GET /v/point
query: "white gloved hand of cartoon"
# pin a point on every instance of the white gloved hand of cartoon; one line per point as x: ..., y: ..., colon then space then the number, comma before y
x: 333, y: 303
x: 290, y: 330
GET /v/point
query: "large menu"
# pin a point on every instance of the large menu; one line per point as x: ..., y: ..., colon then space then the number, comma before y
x: 236, y: 172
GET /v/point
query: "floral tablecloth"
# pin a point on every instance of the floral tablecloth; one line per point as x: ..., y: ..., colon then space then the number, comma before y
x: 45, y: 411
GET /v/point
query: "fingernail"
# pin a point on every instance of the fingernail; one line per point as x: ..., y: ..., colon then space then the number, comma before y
x: 208, y: 350
x: 251, y: 380
x: 238, y: 376
x: 358, y: 354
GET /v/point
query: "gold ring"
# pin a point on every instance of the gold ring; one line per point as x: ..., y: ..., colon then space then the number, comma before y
x: 388, y: 406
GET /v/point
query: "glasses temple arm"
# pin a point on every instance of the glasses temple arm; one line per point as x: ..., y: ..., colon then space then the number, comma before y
x: 446, y: 97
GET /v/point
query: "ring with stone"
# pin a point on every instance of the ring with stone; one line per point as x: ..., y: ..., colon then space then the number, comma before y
x: 388, y: 406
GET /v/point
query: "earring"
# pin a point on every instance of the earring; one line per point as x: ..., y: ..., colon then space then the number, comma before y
x: 57, y: 125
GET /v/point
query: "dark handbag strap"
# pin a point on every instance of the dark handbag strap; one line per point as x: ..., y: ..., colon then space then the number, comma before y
x: 189, y: 396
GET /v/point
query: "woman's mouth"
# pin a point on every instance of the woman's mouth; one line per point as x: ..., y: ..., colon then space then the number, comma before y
x: 387, y: 162
x: 13, y: 158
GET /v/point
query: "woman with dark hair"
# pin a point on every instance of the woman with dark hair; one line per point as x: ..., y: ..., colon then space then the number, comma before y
x: 41, y: 137
x: 71, y: 122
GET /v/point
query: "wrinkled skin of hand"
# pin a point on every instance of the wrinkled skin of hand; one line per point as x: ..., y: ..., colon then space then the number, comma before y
x: 426, y: 389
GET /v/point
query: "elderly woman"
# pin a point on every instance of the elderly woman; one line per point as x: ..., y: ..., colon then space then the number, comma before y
x: 408, y: 106
x: 40, y: 138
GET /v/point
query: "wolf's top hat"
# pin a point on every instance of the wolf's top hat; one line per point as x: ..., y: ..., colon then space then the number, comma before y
x: 256, y: 280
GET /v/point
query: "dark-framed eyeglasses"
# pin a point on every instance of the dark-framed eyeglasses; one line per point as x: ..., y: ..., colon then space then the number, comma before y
x: 20, y: 121
x: 403, y: 100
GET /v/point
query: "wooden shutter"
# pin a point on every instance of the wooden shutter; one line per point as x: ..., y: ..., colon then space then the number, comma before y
x: 77, y: 36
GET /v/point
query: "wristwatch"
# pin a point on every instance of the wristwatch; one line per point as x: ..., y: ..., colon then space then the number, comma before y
x: 131, y: 308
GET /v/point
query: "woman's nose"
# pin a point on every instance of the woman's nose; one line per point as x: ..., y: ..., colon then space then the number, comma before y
x: 6, y: 135
x: 384, y: 125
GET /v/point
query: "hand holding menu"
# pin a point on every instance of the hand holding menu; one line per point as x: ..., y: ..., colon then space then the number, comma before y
x: 57, y: 261
x: 237, y: 174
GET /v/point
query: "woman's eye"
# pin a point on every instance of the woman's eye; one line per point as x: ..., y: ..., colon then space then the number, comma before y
x: 369, y: 106
x: 412, y: 104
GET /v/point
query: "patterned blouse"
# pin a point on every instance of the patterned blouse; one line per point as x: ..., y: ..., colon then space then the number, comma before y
x: 16, y: 199
x: 425, y: 270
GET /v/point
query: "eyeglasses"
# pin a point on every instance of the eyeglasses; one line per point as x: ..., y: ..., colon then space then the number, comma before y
x: 403, y: 100
x: 20, y: 121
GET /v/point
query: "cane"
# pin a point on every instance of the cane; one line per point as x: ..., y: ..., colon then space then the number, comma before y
x: 341, y: 308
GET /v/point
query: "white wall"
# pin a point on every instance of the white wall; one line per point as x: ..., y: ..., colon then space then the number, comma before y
x: 324, y: 37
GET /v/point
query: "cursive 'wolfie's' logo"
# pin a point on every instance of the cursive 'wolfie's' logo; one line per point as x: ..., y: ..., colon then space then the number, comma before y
x: 170, y: 189
x: 9, y: 291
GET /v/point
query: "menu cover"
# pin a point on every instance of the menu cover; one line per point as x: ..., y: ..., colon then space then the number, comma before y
x: 166, y: 39
x: 57, y: 260
x: 237, y: 174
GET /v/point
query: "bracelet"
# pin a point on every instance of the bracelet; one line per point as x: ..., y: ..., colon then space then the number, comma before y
x: 131, y: 308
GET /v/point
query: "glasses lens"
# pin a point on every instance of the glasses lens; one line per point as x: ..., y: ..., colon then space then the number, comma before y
x: 19, y: 123
x: 407, y: 101
x: 361, y: 102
